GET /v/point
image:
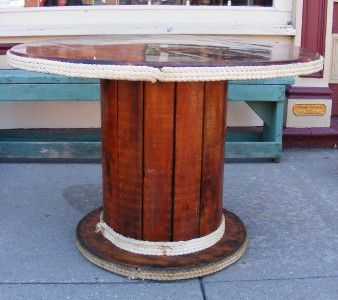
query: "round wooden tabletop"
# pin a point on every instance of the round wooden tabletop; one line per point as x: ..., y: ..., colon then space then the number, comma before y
x: 163, y: 51
x: 161, y: 54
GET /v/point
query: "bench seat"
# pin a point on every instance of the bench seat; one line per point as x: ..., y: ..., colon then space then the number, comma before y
x: 265, y: 97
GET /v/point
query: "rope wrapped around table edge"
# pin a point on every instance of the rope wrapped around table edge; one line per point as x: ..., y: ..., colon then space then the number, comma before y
x: 165, y: 74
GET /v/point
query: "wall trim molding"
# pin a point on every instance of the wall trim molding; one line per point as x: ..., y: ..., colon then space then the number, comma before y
x: 312, y: 137
x: 305, y: 92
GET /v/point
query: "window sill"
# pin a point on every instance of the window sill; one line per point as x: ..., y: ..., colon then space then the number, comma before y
x: 83, y: 20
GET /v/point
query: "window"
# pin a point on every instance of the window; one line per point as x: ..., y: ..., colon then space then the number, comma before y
x: 267, y: 3
x: 11, y: 3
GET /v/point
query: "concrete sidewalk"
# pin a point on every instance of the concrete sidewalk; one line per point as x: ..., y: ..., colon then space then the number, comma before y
x: 290, y: 211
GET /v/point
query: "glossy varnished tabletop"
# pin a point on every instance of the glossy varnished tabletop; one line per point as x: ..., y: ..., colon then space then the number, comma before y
x: 163, y: 51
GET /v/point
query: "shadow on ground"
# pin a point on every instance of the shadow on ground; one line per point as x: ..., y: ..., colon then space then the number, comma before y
x: 84, y: 197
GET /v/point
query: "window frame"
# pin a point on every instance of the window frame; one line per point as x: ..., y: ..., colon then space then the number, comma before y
x: 148, y: 19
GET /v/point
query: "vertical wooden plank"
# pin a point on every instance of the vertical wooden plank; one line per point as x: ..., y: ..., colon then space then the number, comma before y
x: 273, y: 132
x: 109, y: 151
x: 213, y: 156
x: 188, y: 157
x: 130, y: 156
x: 159, y: 103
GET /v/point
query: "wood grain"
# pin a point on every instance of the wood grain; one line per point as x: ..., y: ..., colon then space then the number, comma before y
x: 163, y: 147
x: 213, y: 157
x: 188, y: 156
x: 232, y: 240
x: 110, y: 173
x: 159, y: 104
x: 130, y: 152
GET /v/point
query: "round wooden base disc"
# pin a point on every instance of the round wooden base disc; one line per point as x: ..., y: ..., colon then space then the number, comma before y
x: 104, y: 254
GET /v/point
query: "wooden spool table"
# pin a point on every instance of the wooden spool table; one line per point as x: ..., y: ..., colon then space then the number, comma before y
x: 163, y: 128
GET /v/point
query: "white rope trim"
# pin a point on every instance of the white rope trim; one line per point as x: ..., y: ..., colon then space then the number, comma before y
x: 168, y: 74
x: 160, y: 248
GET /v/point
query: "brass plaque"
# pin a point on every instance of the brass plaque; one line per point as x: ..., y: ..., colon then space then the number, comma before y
x: 309, y: 109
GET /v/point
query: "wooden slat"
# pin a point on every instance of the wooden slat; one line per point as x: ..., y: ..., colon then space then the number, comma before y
x: 243, y: 134
x: 19, y: 76
x: 188, y: 156
x: 256, y: 92
x: 51, y: 135
x: 159, y: 101
x: 273, y: 132
x: 130, y: 154
x: 213, y: 157
x: 33, y: 150
x: 276, y: 81
x: 49, y: 92
x: 253, y: 149
x: 109, y: 114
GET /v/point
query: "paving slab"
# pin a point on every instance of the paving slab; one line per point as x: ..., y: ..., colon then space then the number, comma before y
x: 145, y: 291
x: 41, y: 206
x: 297, y: 289
x: 289, y: 232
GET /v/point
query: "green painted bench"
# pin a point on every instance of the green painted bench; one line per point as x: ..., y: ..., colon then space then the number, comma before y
x: 265, y: 97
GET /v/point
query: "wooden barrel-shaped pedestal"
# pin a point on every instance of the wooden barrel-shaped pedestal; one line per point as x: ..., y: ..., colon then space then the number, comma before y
x: 163, y: 158
x: 162, y: 162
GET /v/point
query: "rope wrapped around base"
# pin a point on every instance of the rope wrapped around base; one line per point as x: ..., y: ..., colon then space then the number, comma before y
x: 160, y: 248
x: 164, y: 274
x: 166, y: 74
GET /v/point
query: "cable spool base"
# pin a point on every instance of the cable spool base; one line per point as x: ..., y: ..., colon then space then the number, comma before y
x: 104, y: 254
